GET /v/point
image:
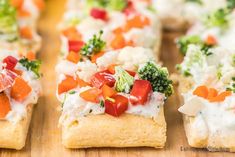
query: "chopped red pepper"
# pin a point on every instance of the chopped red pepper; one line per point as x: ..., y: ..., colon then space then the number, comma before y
x: 129, y: 10
x: 75, y: 45
x: 132, y: 73
x: 98, y: 14
x: 101, y: 78
x: 11, y: 62
x: 116, y: 105
x: 91, y: 95
x: 140, y: 92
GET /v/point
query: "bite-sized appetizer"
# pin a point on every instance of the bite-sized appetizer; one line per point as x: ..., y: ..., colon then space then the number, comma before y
x: 180, y: 14
x: 207, y: 85
x: 16, y: 33
x: 124, y: 23
x: 114, y: 100
x: 216, y: 29
x: 19, y: 91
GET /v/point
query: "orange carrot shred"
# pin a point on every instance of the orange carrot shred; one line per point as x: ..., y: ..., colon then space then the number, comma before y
x: 73, y: 57
x: 5, y: 106
x: 201, y: 91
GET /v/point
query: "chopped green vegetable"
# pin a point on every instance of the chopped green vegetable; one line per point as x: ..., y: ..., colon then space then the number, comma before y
x: 194, y: 1
x: 232, y: 86
x: 72, y: 92
x: 185, y: 41
x: 8, y: 21
x: 218, y: 18
x: 231, y: 4
x: 158, y: 76
x: 219, y: 71
x: 93, y: 46
x: 117, y: 5
x: 124, y: 80
x: 101, y: 103
x: 33, y: 66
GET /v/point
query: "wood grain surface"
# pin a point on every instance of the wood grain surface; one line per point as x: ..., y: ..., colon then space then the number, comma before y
x: 44, y: 138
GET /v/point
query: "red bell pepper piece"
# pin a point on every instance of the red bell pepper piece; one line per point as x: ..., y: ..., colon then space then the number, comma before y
x: 116, y: 105
x: 132, y: 73
x: 98, y: 14
x: 140, y: 92
x: 75, y: 45
x: 11, y: 62
x: 101, y: 78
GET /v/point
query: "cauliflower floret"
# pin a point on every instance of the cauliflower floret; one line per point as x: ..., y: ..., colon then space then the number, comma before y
x: 131, y: 57
x: 66, y: 67
x: 107, y: 59
x: 89, y: 26
x: 85, y: 70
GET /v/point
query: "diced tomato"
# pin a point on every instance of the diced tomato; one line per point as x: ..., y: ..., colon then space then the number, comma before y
x: 7, y: 79
x: 132, y: 73
x: 101, y: 78
x: 75, y: 45
x: 91, y: 95
x: 73, y: 57
x: 108, y: 91
x: 67, y: 84
x: 5, y: 106
x: 98, y: 14
x: 11, y: 62
x: 116, y: 105
x: 140, y: 92
x: 20, y: 89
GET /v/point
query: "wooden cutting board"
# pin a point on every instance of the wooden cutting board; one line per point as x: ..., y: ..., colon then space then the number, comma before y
x: 44, y: 138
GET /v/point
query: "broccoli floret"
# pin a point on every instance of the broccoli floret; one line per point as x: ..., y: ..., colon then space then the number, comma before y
x: 93, y: 46
x: 124, y: 80
x: 33, y: 66
x: 218, y: 18
x: 157, y: 76
x: 185, y: 41
x: 194, y: 1
x: 232, y: 85
x: 117, y: 5
x: 231, y: 4
x: 8, y: 21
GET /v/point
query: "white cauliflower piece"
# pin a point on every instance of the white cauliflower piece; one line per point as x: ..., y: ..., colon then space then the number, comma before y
x: 85, y: 70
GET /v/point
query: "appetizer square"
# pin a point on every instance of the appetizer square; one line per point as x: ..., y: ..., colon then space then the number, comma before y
x: 207, y: 86
x: 19, y: 91
x: 123, y: 24
x: 113, y: 100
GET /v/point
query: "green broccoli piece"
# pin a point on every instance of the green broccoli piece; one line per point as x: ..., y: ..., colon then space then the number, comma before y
x: 117, y: 5
x: 232, y: 86
x: 93, y: 46
x: 8, y: 21
x: 33, y: 66
x: 157, y: 76
x: 185, y: 41
x: 218, y: 18
x: 194, y: 1
x: 231, y: 4
x: 124, y: 80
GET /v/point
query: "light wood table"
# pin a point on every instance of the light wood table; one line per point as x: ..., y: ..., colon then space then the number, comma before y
x: 44, y: 138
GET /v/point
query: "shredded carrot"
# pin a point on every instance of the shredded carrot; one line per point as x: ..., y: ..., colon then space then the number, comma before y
x: 72, y: 34
x: 73, y: 57
x: 136, y: 22
x: 221, y: 97
x: 67, y: 84
x: 111, y: 68
x: 40, y: 4
x: 118, y: 30
x: 201, y: 91
x: 5, y: 106
x: 20, y: 89
x: 211, y: 40
x: 118, y: 41
x: 91, y: 95
x: 17, y: 3
x: 107, y: 91
x: 82, y: 83
x: 23, y: 13
x: 212, y: 92
x: 96, y: 56
x: 26, y: 32
x: 31, y: 55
